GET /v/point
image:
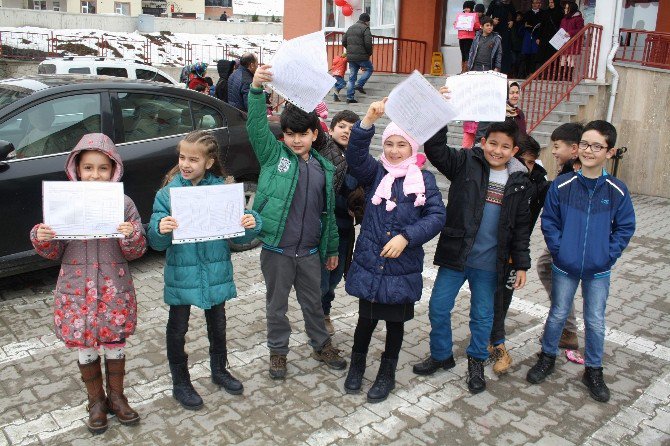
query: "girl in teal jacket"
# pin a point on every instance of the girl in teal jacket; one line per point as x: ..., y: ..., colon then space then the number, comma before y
x: 199, y: 274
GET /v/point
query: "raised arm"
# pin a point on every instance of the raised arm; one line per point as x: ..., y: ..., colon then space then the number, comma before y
x: 263, y: 141
x: 362, y: 165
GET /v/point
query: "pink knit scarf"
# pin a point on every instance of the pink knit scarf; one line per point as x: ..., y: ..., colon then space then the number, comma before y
x: 413, y: 183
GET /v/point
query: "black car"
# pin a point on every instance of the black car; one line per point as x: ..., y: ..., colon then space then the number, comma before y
x: 43, y: 117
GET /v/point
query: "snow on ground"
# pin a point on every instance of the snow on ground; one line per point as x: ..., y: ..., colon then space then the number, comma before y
x: 259, y: 7
x: 163, y: 48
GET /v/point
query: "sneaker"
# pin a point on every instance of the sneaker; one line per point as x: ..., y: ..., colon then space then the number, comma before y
x: 593, y: 379
x: 431, y: 365
x: 476, y: 381
x: 278, y: 366
x: 569, y: 340
x: 542, y: 368
x: 503, y: 360
x: 329, y: 325
x: 352, y: 101
x: 360, y: 90
x: 336, y: 98
x: 331, y: 356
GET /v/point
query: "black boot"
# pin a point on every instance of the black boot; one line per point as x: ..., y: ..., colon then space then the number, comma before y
x: 430, y: 365
x: 594, y: 380
x: 385, y: 381
x: 476, y: 380
x: 355, y: 376
x: 222, y: 377
x: 182, y: 389
x: 542, y: 368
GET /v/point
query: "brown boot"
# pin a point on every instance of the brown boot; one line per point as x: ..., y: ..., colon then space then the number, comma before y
x: 117, y: 403
x: 569, y: 340
x: 503, y: 360
x: 91, y: 374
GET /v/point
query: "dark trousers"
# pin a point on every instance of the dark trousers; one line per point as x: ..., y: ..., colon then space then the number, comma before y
x: 501, y: 303
x: 330, y: 279
x: 177, y: 326
x: 363, y: 334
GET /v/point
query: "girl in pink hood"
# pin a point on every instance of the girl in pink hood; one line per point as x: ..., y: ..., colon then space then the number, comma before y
x: 94, y: 300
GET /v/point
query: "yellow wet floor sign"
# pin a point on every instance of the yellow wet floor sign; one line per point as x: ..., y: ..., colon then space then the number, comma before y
x: 436, y: 64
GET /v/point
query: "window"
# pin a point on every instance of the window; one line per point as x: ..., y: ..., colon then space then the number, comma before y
x: 147, y: 116
x: 112, y: 71
x: 223, y: 3
x: 52, y: 127
x: 149, y: 75
x: 56, y: 5
x: 40, y: 4
x: 122, y: 8
x: 79, y: 70
x: 88, y: 7
x: 382, y: 13
x: 206, y: 117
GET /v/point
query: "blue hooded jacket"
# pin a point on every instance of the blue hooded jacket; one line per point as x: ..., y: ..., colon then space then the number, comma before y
x: 586, y: 231
x: 379, y: 279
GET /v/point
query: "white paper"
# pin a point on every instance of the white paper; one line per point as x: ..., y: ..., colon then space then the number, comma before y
x: 418, y: 108
x: 465, y: 21
x: 559, y: 39
x: 83, y: 209
x: 207, y: 212
x: 478, y: 95
x: 300, y: 71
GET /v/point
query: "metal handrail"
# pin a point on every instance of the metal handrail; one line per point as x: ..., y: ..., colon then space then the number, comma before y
x: 646, y: 48
x: 553, y: 82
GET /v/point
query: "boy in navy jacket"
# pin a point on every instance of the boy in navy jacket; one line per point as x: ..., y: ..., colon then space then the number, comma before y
x: 587, y: 222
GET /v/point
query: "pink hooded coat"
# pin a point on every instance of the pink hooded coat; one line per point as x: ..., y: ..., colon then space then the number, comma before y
x: 94, y: 299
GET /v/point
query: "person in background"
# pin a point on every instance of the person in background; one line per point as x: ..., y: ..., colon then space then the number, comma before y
x: 513, y: 112
x: 572, y: 22
x: 550, y: 23
x: 239, y: 82
x: 529, y: 47
x: 465, y: 37
x: 338, y: 70
x: 357, y: 41
x: 503, y: 12
x: 196, y: 80
x: 225, y: 69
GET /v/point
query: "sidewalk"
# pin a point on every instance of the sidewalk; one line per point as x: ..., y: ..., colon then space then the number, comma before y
x: 42, y: 398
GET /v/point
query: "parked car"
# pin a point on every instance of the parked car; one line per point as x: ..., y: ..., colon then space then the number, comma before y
x: 43, y: 117
x: 105, y: 66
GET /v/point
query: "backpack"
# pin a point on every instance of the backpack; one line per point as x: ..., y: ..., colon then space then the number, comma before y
x: 185, y: 73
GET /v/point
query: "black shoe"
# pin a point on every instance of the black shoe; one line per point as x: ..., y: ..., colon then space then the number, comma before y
x: 430, y: 365
x: 385, y: 381
x: 542, y: 368
x: 352, y: 101
x: 360, y: 90
x: 476, y: 380
x: 594, y: 380
x: 355, y: 376
x: 182, y: 389
x: 336, y: 98
x: 277, y: 366
x: 222, y: 377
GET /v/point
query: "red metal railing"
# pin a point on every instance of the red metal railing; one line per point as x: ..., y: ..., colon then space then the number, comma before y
x: 389, y: 54
x: 25, y: 45
x: 552, y: 83
x: 647, y: 48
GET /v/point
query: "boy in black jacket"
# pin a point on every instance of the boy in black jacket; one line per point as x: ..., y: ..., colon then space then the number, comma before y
x: 488, y: 222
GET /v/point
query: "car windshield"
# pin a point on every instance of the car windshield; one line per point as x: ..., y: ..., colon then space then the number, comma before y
x: 12, y: 93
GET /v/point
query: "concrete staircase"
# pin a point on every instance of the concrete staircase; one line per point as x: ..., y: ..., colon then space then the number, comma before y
x: 380, y: 85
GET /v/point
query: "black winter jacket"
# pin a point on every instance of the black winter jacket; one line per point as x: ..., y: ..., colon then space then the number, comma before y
x: 468, y: 172
x: 358, y: 42
x: 540, y: 184
x: 332, y: 151
x: 225, y: 69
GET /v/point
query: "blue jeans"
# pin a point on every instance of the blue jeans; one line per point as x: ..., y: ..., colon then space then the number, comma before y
x: 353, y: 74
x: 340, y: 83
x: 482, y: 289
x: 330, y: 279
x: 594, y: 292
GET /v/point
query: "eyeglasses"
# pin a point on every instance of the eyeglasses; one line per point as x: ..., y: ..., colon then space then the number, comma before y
x: 595, y: 147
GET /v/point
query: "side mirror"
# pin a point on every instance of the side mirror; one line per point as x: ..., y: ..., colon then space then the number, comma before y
x: 6, y: 148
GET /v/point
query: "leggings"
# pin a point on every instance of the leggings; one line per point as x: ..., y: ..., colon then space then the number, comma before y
x: 363, y: 334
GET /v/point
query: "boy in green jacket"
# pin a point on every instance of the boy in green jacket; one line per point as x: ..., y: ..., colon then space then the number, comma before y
x: 296, y: 200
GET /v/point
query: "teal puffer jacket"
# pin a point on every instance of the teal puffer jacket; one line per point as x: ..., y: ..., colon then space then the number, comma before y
x: 199, y: 274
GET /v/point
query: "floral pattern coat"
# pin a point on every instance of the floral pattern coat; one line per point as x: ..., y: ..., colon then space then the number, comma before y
x: 94, y: 299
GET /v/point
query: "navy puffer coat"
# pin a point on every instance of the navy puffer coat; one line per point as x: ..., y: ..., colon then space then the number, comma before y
x: 375, y: 278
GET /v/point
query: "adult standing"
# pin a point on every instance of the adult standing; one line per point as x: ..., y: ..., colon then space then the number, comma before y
x: 503, y: 12
x: 529, y: 47
x: 224, y: 17
x: 240, y: 81
x: 572, y: 23
x: 512, y: 111
x: 225, y: 69
x: 550, y: 23
x: 358, y: 43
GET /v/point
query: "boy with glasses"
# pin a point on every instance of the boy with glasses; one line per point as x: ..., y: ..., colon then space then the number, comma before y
x: 587, y: 222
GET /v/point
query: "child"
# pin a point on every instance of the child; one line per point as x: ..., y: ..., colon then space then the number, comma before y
x: 587, y: 222
x: 296, y: 198
x: 333, y: 148
x: 321, y: 111
x: 404, y: 210
x: 529, y: 151
x: 487, y: 224
x: 338, y: 69
x: 199, y: 274
x: 465, y: 37
x: 564, y: 148
x: 486, y: 51
x: 95, y: 306
x: 196, y: 80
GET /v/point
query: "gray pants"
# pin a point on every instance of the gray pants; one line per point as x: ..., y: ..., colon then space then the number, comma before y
x: 544, y: 273
x: 304, y: 273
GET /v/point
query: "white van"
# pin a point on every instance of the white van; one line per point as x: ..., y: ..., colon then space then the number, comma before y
x: 107, y: 66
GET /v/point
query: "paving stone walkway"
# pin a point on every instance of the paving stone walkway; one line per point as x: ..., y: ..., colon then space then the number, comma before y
x: 42, y: 396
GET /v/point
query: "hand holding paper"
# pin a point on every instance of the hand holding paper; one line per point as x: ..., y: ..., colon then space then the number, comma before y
x: 45, y: 233
x: 167, y: 224
x: 126, y: 228
x: 261, y: 76
x: 375, y: 111
x: 248, y: 221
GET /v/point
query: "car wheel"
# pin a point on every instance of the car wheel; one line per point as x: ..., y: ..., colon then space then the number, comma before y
x: 249, y: 196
